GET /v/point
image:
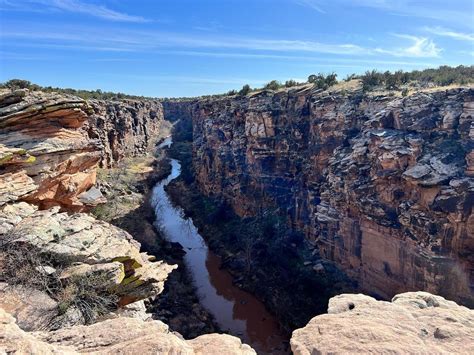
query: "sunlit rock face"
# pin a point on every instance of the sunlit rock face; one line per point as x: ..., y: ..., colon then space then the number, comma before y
x: 122, y: 335
x: 51, y: 144
x: 381, y: 185
x: 46, y: 157
x: 125, y: 128
x: 48, y: 163
x: 413, y: 323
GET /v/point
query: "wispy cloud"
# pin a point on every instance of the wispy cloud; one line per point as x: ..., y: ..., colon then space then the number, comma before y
x: 246, y: 47
x: 444, y: 32
x: 312, y: 4
x: 72, y: 6
x: 421, y: 47
x: 434, y: 9
x: 142, y: 40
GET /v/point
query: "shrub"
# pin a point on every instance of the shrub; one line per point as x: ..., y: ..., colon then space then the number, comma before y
x: 88, y: 295
x: 290, y: 83
x: 273, y: 85
x: 331, y: 79
x: 322, y: 81
x: 441, y: 76
x: 371, y: 79
x: 245, y: 90
x: 23, y: 265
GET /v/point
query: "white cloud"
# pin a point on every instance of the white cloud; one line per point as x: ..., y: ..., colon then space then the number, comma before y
x: 83, y: 38
x: 313, y: 4
x: 444, y: 32
x: 73, y: 6
x: 453, y: 11
x: 421, y: 47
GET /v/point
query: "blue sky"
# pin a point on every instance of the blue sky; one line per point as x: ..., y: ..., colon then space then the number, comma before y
x: 194, y: 47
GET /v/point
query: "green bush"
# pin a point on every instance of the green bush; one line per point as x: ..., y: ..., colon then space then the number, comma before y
x: 290, y: 83
x: 245, y: 90
x: 322, y: 81
x: 441, y: 76
x: 273, y: 85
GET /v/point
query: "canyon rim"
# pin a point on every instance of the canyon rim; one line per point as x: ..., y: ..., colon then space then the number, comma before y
x: 298, y: 180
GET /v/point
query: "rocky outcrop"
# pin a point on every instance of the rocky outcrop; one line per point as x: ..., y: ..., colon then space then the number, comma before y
x: 413, y: 323
x: 119, y: 335
x: 52, y: 143
x: 46, y: 157
x: 48, y: 167
x: 381, y: 185
x: 83, y: 246
x: 125, y: 128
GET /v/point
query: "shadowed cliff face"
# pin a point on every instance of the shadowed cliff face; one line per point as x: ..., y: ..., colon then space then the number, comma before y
x: 383, y: 186
x: 125, y: 128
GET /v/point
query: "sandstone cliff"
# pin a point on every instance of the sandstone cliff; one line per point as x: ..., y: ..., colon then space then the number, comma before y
x: 413, y: 323
x: 176, y: 109
x: 61, y: 268
x: 48, y: 164
x: 46, y: 157
x: 381, y: 185
x: 125, y: 128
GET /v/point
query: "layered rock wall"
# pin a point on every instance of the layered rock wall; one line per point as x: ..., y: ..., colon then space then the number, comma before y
x: 124, y: 128
x: 48, y: 166
x: 175, y: 110
x: 382, y: 185
x: 46, y: 156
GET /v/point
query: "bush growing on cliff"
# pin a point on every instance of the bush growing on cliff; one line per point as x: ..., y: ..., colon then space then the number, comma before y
x: 441, y: 76
x: 15, y: 84
x: 245, y: 90
x: 88, y: 295
x: 290, y: 83
x: 273, y: 85
x: 23, y: 265
x: 322, y: 81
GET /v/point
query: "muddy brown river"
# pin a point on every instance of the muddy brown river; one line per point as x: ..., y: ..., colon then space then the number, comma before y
x: 236, y: 312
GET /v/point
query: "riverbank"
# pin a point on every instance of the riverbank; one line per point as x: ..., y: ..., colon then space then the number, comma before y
x: 127, y: 188
x: 263, y: 256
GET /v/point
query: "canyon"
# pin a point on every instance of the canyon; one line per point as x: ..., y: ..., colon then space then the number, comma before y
x: 381, y: 188
x: 380, y: 185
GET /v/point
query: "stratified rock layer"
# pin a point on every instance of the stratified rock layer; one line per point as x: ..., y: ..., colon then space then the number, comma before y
x: 115, y: 336
x: 125, y: 128
x: 48, y: 166
x: 46, y: 157
x: 383, y: 185
x: 413, y: 323
x: 85, y: 246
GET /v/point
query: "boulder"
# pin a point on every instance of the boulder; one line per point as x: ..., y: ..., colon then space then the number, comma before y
x: 122, y: 335
x: 413, y: 323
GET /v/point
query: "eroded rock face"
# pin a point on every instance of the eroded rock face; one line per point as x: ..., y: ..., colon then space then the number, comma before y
x: 46, y: 157
x: 178, y: 109
x: 413, y: 323
x: 48, y: 167
x: 383, y: 185
x: 85, y: 246
x: 125, y: 128
x: 121, y: 335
